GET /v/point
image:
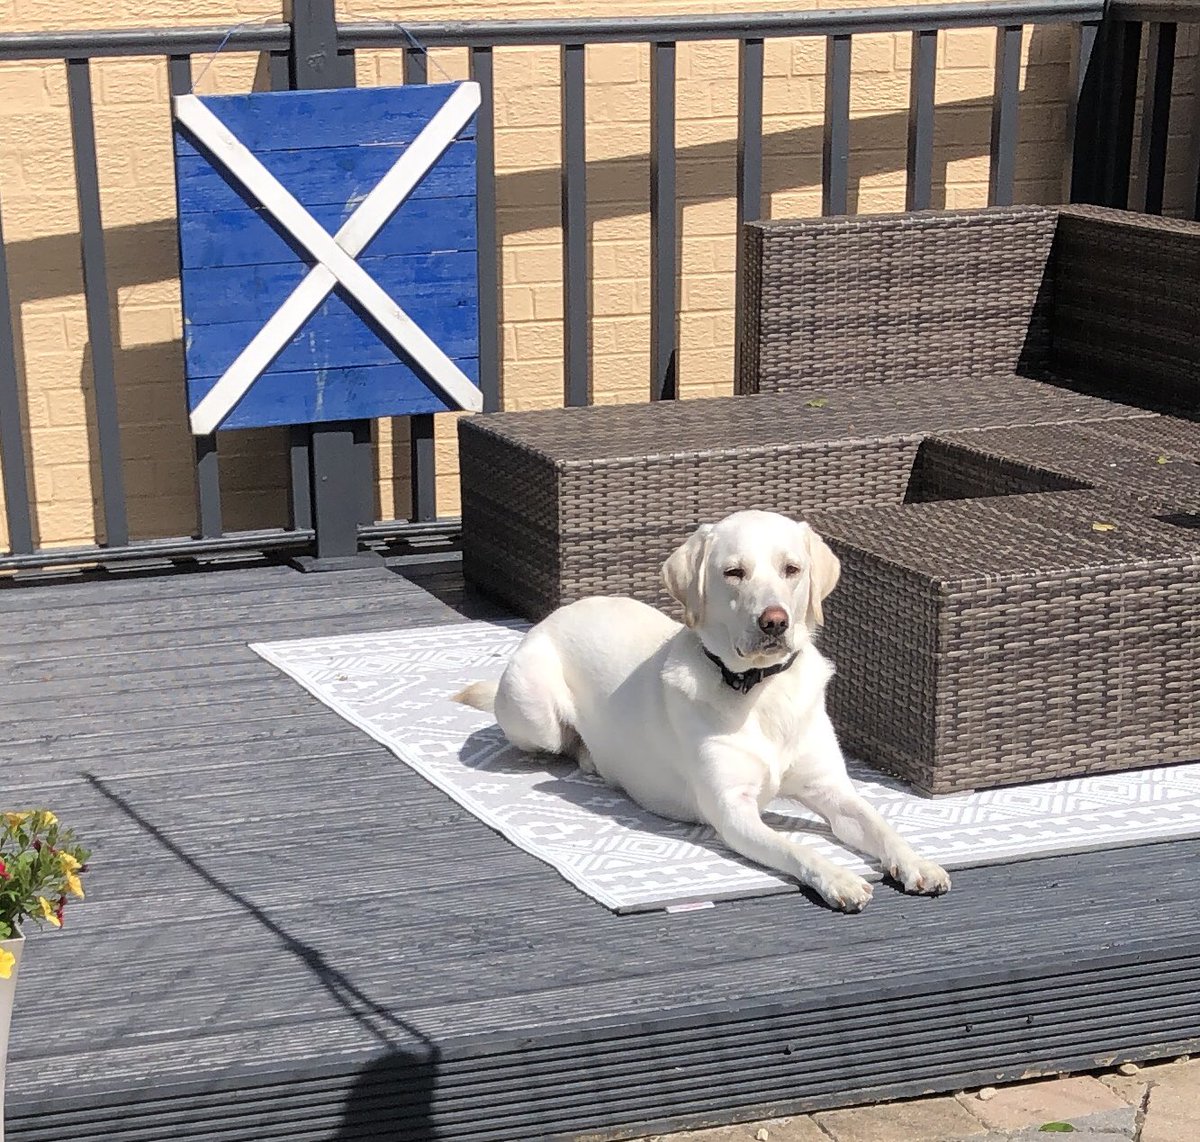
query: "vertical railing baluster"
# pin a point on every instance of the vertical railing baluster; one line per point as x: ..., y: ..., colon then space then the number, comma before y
x: 574, y: 225
x: 277, y: 71
x: 96, y: 298
x: 422, y: 456
x: 1123, y: 47
x: 1005, y: 116
x: 13, y: 462
x: 835, y: 167
x: 749, y: 171
x: 663, y: 226
x: 1083, y: 109
x: 921, y: 101
x: 341, y: 475
x: 485, y: 224
x: 208, y: 474
x: 1156, y: 114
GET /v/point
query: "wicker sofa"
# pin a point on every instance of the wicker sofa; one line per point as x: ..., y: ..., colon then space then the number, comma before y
x: 1021, y: 563
x: 1104, y: 301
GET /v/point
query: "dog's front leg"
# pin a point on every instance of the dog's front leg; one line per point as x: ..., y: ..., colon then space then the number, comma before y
x: 820, y: 783
x: 728, y: 800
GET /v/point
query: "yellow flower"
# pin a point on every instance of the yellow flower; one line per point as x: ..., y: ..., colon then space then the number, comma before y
x: 7, y: 962
x: 48, y: 912
x: 68, y: 863
x: 46, y: 819
x: 15, y: 820
x: 74, y: 884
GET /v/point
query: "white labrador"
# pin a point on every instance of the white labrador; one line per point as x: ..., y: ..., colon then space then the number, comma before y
x: 709, y: 721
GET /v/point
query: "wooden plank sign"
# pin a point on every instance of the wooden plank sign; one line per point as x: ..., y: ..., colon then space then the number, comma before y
x: 328, y: 254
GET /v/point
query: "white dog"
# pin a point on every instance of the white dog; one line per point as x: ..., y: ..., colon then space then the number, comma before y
x: 708, y: 722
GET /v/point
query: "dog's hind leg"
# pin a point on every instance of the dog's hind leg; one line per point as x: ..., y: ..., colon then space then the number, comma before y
x: 533, y: 704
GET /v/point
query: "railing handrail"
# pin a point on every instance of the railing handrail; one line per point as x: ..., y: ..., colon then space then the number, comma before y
x: 92, y: 43
x: 1156, y: 11
x: 723, y: 26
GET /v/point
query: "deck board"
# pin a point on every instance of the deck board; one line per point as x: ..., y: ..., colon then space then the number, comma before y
x: 289, y: 934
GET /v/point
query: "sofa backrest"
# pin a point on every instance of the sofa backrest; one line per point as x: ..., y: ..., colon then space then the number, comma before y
x: 889, y: 298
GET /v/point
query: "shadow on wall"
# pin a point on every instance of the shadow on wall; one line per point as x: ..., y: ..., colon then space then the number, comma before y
x: 156, y: 446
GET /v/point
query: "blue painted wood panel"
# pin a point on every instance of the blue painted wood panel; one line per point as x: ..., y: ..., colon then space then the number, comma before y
x: 329, y: 149
x: 217, y: 294
x: 250, y: 237
x: 353, y: 393
x: 343, y: 176
x: 336, y: 334
x: 343, y: 117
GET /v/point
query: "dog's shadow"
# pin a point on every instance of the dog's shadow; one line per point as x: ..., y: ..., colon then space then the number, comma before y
x: 487, y: 749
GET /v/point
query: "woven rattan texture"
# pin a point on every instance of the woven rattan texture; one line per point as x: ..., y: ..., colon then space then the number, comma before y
x: 1032, y: 643
x: 565, y: 503
x: 1126, y: 320
x: 895, y: 298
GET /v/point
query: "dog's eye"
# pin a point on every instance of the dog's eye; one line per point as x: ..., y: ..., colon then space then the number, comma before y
x: 734, y: 573
x: 791, y: 571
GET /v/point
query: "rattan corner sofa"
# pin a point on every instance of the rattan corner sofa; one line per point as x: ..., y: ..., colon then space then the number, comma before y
x: 968, y: 406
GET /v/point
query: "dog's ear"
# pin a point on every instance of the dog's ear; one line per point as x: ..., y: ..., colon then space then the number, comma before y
x: 683, y: 573
x: 824, y: 570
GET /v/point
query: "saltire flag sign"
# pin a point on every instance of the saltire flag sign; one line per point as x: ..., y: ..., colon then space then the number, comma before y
x: 328, y: 254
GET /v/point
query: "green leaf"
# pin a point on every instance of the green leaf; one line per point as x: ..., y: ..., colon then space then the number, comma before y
x: 1162, y: 460
x: 817, y: 402
x: 1057, y: 1128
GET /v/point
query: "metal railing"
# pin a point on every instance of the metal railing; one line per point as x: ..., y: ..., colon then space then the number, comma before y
x: 331, y: 465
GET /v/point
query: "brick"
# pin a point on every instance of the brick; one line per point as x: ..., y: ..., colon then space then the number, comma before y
x: 1032, y: 1104
x: 130, y: 81
x: 929, y: 1120
x: 873, y: 53
x: 22, y: 89
x: 966, y: 47
x: 711, y: 293
x: 614, y: 63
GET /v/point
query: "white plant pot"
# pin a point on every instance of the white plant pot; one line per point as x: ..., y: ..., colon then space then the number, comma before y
x: 8, y: 989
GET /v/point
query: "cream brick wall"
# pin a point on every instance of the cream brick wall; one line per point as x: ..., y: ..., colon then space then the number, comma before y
x: 41, y: 228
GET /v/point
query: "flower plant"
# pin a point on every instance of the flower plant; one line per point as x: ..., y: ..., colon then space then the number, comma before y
x: 41, y: 865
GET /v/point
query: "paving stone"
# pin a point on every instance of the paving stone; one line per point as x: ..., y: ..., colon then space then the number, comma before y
x: 798, y: 1129
x: 926, y: 1120
x: 1031, y: 1134
x: 1054, y: 1100
x: 1173, y: 1109
x: 1133, y: 1087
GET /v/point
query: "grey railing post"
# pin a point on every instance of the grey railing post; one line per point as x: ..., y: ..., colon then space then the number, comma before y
x: 334, y: 458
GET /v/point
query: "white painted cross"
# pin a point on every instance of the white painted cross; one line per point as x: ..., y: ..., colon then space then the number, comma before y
x: 334, y: 255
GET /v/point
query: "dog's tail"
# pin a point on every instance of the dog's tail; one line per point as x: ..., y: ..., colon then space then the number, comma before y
x: 479, y: 696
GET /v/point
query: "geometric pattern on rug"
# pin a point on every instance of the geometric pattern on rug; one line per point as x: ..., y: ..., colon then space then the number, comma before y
x: 397, y: 686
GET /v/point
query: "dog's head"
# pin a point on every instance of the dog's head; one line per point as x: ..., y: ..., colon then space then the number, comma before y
x: 752, y: 586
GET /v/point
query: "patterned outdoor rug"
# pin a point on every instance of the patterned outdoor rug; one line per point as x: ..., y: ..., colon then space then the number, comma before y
x: 397, y: 685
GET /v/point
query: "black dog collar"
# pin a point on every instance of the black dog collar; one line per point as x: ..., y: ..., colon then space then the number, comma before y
x: 747, y: 679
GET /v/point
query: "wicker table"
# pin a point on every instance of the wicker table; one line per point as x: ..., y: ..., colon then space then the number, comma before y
x: 987, y: 642
x: 561, y: 504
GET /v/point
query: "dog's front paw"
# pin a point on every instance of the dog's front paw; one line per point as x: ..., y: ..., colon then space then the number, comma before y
x: 920, y: 876
x: 843, y: 890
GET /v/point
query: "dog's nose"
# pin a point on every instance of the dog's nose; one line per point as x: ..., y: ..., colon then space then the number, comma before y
x: 773, y: 620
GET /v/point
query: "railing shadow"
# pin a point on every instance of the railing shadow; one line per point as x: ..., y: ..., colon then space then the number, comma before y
x: 396, y: 1086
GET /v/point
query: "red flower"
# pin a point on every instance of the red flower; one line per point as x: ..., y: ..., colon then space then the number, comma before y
x: 3, y: 871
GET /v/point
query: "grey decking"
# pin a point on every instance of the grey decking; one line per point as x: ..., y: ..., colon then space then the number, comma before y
x: 291, y: 936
